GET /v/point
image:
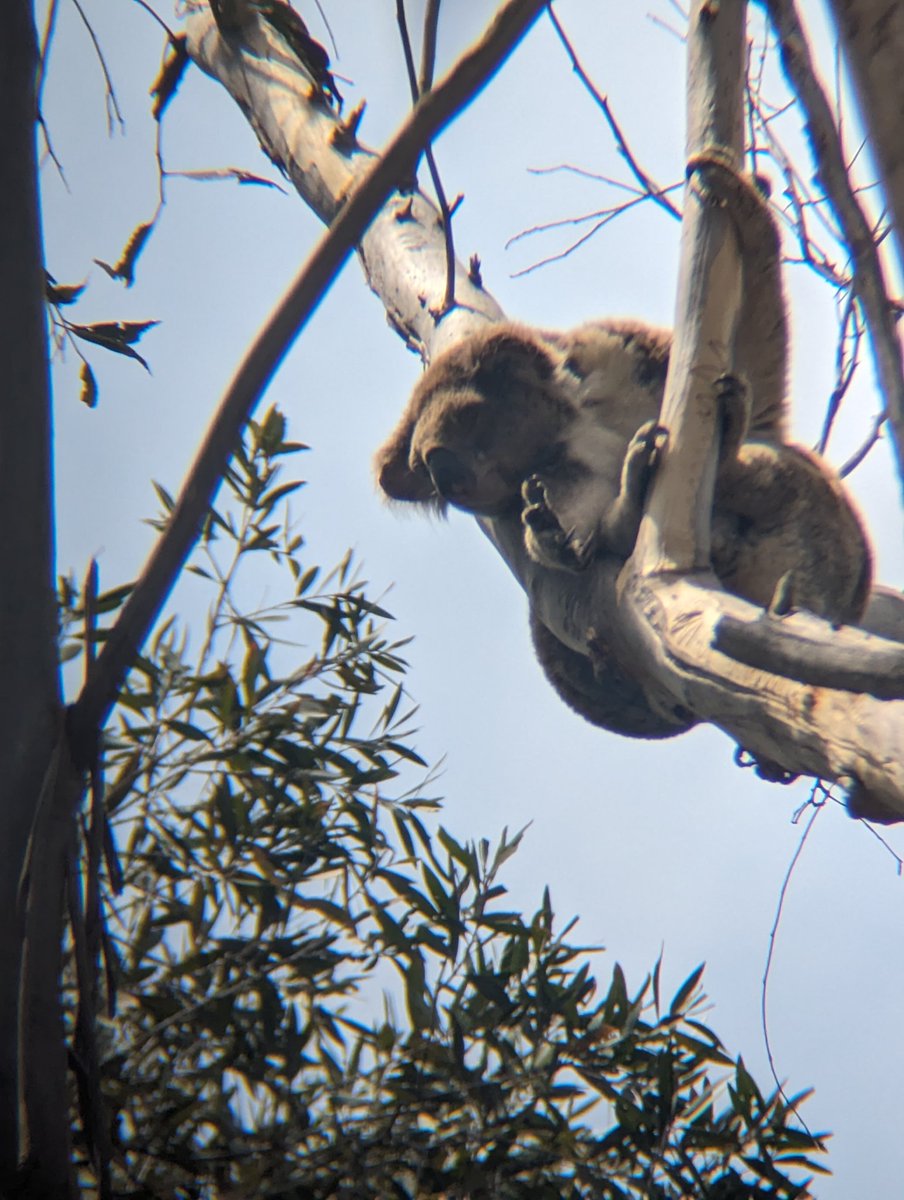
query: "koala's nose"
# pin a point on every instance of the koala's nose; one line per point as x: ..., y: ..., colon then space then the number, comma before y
x: 451, y: 477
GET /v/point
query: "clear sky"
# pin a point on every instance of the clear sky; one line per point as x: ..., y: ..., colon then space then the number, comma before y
x: 663, y: 846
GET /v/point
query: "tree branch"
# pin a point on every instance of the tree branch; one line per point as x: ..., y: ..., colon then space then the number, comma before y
x: 828, y: 154
x: 656, y: 620
x: 375, y: 182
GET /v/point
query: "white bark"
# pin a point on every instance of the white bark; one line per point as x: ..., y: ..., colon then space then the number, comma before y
x: 661, y: 615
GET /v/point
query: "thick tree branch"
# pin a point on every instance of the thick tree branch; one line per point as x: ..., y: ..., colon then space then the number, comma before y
x: 379, y: 178
x: 675, y: 533
x: 858, y: 664
x: 828, y: 154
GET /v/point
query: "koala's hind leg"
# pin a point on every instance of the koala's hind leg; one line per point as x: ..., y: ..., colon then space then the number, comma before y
x: 761, y: 337
x: 734, y: 404
x: 618, y: 527
x: 781, y: 513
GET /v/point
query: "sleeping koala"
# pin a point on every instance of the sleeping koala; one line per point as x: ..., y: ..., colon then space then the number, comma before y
x: 559, y: 431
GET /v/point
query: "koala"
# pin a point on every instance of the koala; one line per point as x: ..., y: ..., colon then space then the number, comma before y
x: 560, y: 432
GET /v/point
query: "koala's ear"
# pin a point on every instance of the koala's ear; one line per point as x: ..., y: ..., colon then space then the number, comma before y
x: 506, y: 352
x: 395, y: 476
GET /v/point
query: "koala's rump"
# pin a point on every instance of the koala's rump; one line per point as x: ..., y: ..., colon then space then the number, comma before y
x: 780, y: 509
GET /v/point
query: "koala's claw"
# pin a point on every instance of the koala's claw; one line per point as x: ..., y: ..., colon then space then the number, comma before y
x: 547, y: 542
x: 643, y: 456
x: 734, y: 403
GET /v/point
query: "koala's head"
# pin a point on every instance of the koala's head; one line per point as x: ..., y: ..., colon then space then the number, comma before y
x: 483, y: 416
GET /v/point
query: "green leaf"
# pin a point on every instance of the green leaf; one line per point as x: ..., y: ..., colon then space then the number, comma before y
x: 117, y: 336
x: 684, y: 993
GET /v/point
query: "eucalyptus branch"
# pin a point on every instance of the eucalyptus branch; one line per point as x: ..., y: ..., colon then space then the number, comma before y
x: 869, y: 279
x: 431, y: 114
x: 417, y: 90
x: 651, y: 188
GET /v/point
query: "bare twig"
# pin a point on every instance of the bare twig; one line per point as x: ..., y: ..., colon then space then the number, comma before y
x: 847, y: 359
x: 600, y: 218
x: 869, y: 281
x: 650, y: 187
x: 156, y: 16
x: 113, y: 109
x: 431, y: 114
x: 874, y: 436
x: 818, y: 806
x: 416, y: 92
x: 44, y: 51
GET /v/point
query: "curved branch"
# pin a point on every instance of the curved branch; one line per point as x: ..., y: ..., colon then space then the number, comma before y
x: 378, y: 180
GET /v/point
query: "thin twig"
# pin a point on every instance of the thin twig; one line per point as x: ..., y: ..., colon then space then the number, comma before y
x: 43, y: 55
x: 653, y: 189
x: 51, y: 153
x: 160, y: 21
x: 430, y: 115
x: 818, y: 806
x: 847, y: 359
x: 874, y: 436
x: 44, y: 51
x: 869, y: 281
x: 602, y: 218
x: 416, y: 93
x: 328, y: 28
x: 112, y: 104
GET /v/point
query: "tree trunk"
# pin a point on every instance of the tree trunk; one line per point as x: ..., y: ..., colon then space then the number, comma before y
x: 29, y: 681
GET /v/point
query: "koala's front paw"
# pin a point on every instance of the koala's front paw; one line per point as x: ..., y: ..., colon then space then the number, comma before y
x: 641, y: 460
x: 619, y: 528
x: 546, y: 541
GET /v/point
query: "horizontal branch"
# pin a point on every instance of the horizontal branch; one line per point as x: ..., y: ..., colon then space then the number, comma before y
x: 802, y: 647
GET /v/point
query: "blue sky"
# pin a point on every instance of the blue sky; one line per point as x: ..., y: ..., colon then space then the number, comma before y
x: 656, y: 846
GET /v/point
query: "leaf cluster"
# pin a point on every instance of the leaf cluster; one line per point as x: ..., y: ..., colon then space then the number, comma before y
x: 310, y: 991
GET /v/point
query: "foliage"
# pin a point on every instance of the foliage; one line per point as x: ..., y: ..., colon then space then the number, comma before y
x: 264, y: 877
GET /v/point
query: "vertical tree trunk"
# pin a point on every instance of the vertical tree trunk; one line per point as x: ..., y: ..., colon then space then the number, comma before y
x: 29, y: 682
